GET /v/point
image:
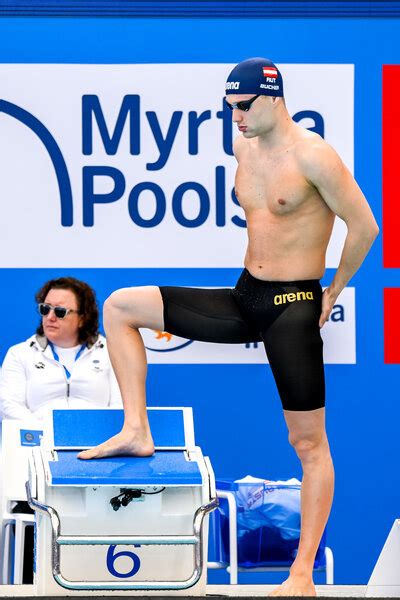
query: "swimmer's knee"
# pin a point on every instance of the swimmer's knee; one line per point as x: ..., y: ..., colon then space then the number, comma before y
x: 119, y: 300
x: 134, y: 306
x: 303, y: 445
x: 309, y: 447
x: 120, y: 305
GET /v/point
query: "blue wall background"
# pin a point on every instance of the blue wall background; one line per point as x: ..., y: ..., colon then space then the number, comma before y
x: 237, y: 410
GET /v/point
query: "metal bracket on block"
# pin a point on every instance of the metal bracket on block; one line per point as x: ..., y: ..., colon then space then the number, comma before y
x: 196, y: 540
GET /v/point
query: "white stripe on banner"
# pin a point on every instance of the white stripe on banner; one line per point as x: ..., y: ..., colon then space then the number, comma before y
x: 130, y: 165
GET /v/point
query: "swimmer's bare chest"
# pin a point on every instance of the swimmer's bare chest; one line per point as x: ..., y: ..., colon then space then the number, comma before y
x: 288, y: 222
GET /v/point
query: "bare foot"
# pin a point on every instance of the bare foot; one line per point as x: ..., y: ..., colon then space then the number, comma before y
x: 295, y: 586
x: 128, y: 442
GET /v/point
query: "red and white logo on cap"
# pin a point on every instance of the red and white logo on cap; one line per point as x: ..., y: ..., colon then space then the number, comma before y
x: 270, y: 72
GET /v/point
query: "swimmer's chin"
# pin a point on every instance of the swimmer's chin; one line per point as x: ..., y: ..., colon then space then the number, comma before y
x: 249, y: 134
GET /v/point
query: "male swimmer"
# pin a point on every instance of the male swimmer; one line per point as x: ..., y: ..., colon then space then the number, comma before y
x: 291, y: 184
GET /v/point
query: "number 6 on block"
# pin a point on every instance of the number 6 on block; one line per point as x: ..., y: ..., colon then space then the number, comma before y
x: 112, y: 557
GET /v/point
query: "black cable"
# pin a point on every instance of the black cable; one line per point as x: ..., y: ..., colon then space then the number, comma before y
x: 126, y: 496
x: 152, y: 493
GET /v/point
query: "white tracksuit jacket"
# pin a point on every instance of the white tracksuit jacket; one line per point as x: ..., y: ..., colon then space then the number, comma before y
x: 32, y: 381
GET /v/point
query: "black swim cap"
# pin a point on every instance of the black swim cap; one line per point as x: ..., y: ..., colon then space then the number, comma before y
x: 255, y: 76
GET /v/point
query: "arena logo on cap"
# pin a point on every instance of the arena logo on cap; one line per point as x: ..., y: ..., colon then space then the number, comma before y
x: 232, y: 85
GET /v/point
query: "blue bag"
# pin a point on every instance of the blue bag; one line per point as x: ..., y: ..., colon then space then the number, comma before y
x: 271, y: 504
x: 268, y: 522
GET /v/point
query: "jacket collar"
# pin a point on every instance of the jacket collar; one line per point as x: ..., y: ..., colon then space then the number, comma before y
x: 43, y: 342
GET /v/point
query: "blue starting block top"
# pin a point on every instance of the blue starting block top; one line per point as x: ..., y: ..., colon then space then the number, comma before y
x: 72, y: 430
x: 169, y: 468
x: 86, y: 428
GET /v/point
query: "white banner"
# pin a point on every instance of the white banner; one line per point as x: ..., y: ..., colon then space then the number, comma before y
x: 131, y: 165
x: 338, y: 334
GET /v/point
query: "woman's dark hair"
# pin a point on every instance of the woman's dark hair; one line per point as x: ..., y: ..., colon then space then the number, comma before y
x: 87, y: 305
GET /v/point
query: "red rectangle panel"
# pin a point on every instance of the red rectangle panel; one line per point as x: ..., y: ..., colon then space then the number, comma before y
x: 391, y: 165
x: 391, y: 301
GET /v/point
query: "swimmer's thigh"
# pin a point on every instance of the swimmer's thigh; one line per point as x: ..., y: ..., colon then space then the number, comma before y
x: 294, y: 348
x: 206, y: 315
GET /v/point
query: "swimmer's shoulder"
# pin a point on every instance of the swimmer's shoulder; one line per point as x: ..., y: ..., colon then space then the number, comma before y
x: 315, y: 156
x: 240, y: 145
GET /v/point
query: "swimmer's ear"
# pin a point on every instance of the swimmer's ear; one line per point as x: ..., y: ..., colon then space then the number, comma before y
x: 278, y: 101
x: 271, y: 99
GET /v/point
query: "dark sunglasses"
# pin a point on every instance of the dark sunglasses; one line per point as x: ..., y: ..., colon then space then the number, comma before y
x: 60, y: 311
x: 243, y: 104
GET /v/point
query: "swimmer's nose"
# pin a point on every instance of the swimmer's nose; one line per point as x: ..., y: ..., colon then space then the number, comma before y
x: 237, y: 115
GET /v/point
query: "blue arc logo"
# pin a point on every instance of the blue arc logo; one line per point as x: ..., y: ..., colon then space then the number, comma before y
x: 53, y: 149
x: 170, y: 349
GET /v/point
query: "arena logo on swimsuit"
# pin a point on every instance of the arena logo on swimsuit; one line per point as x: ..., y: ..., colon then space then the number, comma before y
x: 283, y: 298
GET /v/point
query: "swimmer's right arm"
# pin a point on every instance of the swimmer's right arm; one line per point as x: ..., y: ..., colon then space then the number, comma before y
x: 325, y: 170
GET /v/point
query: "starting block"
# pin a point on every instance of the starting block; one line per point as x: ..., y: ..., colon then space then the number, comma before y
x: 120, y: 523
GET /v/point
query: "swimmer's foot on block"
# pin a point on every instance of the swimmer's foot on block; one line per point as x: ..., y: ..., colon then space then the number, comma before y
x: 128, y: 442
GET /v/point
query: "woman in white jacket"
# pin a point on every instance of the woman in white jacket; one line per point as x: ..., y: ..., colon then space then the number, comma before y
x: 66, y: 363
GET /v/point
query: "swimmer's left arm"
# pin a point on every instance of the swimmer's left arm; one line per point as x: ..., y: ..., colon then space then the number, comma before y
x: 326, y: 171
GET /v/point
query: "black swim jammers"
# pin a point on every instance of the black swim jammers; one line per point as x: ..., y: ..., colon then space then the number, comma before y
x: 284, y: 315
